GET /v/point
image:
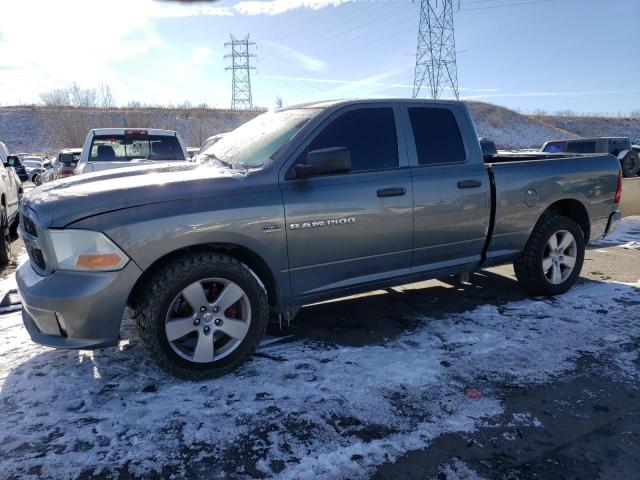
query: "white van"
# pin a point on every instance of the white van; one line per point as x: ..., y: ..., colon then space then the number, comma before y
x: 106, y: 148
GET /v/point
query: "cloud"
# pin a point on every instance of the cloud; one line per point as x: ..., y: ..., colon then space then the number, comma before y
x: 372, y: 81
x: 44, y: 58
x: 307, y: 62
x: 244, y: 7
x: 184, y: 10
x: 276, y: 7
x: 200, y: 56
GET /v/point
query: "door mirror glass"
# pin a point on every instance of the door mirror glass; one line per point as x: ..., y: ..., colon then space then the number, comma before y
x: 325, y: 161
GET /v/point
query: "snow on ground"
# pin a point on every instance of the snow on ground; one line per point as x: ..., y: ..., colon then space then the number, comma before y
x: 627, y: 235
x: 301, y: 409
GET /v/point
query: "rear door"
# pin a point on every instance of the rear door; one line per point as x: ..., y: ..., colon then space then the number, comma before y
x: 450, y: 185
x: 354, y: 228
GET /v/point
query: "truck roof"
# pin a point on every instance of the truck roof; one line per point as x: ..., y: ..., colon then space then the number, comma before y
x: 332, y: 103
x: 122, y: 131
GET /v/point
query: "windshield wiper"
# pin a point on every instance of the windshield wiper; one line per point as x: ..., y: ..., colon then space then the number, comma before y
x: 221, y: 162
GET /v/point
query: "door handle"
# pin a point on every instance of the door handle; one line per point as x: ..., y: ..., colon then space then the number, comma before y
x: 392, y: 192
x: 469, y: 184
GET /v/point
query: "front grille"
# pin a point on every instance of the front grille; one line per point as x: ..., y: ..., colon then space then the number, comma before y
x: 32, y: 243
x: 29, y: 226
x: 36, y: 257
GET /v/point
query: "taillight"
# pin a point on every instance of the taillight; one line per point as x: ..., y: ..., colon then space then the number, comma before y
x: 66, y: 173
x: 618, y: 196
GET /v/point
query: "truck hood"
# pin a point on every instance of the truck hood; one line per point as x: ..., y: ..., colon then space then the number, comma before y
x: 62, y: 202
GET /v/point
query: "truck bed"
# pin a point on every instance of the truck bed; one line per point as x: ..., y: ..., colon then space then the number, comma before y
x: 524, y: 185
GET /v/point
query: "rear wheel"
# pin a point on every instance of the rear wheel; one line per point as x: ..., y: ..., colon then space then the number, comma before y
x: 5, y: 248
x: 552, y: 259
x: 202, y: 315
x: 630, y: 164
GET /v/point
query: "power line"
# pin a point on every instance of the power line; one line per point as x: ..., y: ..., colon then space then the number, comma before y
x: 531, y: 2
x: 241, y: 98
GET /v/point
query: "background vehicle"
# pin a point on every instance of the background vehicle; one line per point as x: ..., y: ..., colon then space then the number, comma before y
x: 66, y: 163
x: 33, y: 165
x: 14, y: 161
x: 106, y: 148
x: 48, y: 173
x: 9, y: 196
x: 212, y: 140
x: 297, y: 206
x: 618, y: 146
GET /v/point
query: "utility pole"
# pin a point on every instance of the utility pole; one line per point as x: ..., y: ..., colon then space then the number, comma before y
x: 436, y: 51
x: 241, y: 80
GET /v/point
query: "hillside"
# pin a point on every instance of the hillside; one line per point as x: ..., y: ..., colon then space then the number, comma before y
x: 42, y: 129
x: 512, y: 130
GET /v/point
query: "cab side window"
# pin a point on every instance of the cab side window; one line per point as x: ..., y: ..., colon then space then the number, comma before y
x: 368, y: 133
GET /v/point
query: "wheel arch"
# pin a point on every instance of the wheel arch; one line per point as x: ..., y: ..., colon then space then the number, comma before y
x: 241, y: 253
x: 575, y: 210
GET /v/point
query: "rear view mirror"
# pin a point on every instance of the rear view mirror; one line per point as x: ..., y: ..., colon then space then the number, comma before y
x: 325, y: 161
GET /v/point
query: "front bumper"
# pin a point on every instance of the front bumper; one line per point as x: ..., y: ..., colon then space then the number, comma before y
x: 612, y: 224
x: 79, y: 310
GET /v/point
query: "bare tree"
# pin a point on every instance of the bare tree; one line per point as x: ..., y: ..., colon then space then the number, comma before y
x: 56, y: 98
x: 78, y: 97
x: 279, y: 101
x: 105, y: 97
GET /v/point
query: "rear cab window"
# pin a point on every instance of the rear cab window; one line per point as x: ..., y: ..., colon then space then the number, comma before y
x: 124, y: 148
x: 554, y: 147
x: 437, y: 136
x: 581, y: 147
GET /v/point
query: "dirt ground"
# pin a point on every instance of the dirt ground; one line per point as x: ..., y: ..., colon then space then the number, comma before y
x: 576, y: 422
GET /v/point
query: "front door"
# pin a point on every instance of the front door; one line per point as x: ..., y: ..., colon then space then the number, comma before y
x: 354, y: 228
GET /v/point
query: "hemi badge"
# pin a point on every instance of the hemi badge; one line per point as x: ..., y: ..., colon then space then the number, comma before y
x: 271, y: 228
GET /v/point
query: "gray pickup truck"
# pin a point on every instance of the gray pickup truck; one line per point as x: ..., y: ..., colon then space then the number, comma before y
x: 304, y: 204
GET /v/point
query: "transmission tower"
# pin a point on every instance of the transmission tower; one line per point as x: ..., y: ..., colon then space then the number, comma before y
x: 436, y: 52
x: 241, y: 82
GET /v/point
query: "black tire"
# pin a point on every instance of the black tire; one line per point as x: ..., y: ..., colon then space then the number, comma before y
x: 529, y: 265
x: 13, y: 229
x: 630, y: 163
x: 162, y: 287
x: 5, y: 248
x: 37, y: 180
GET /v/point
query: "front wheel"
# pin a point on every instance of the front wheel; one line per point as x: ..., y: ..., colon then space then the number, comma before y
x: 201, y: 315
x: 552, y: 259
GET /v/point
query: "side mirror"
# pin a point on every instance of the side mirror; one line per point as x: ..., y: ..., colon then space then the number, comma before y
x: 11, y: 162
x: 325, y: 161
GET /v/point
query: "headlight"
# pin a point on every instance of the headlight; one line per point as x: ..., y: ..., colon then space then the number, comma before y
x: 85, y: 250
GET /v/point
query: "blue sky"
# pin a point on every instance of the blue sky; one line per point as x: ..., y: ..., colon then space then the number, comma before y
x: 582, y: 55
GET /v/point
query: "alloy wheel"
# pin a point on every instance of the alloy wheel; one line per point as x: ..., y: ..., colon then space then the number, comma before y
x: 208, y: 320
x: 559, y: 257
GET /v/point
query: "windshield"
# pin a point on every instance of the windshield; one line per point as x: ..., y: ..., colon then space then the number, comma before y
x: 32, y: 163
x: 124, y: 148
x: 253, y: 143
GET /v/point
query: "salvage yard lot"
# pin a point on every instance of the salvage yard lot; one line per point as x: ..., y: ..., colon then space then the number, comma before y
x: 466, y: 379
